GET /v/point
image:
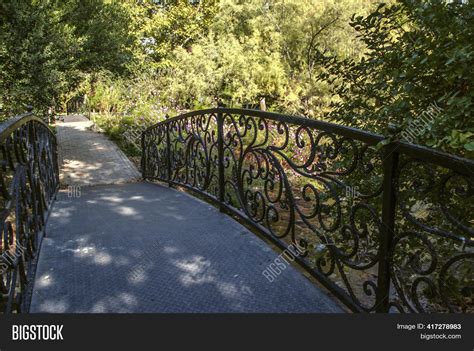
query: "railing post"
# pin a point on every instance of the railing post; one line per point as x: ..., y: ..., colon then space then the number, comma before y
x: 143, y: 160
x: 220, y: 150
x: 31, y: 165
x: 168, y: 154
x: 390, y: 164
x: 56, y: 159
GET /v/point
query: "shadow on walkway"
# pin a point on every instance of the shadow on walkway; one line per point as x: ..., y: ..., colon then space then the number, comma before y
x: 89, y: 158
x: 147, y: 248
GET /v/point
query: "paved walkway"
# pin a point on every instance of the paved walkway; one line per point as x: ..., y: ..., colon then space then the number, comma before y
x: 89, y: 158
x: 144, y: 247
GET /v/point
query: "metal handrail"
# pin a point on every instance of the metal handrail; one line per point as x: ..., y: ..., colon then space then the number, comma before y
x: 10, y: 125
x: 29, y: 181
x: 276, y: 171
x: 438, y: 157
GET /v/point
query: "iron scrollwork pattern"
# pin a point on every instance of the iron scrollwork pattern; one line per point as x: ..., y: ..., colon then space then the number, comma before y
x: 29, y: 180
x: 432, y: 258
x: 320, y: 189
x: 184, y: 151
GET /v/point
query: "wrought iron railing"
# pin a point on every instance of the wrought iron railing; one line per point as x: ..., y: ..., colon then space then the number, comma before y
x: 29, y: 180
x: 384, y: 229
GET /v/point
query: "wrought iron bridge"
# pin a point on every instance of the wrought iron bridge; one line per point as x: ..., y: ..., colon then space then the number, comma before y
x: 383, y: 229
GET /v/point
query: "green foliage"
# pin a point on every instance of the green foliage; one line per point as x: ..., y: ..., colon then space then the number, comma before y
x: 105, y: 30
x: 262, y: 49
x: 387, y: 66
x: 177, y: 24
x: 420, y: 54
x: 32, y: 65
x: 137, y: 97
x: 47, y: 46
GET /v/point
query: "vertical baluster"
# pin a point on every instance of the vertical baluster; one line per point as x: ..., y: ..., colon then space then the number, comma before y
x: 54, y: 145
x: 168, y: 153
x: 220, y: 150
x: 33, y: 168
x: 143, y: 160
x: 390, y: 164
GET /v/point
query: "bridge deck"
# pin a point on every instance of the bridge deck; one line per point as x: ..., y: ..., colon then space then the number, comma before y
x: 143, y: 247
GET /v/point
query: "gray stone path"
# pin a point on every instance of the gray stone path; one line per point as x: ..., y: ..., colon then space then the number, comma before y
x: 89, y: 158
x: 143, y: 247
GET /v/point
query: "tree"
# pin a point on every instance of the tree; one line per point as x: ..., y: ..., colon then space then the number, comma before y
x: 106, y: 32
x: 174, y: 24
x: 47, y: 47
x: 262, y: 49
x: 415, y: 78
x: 35, y: 55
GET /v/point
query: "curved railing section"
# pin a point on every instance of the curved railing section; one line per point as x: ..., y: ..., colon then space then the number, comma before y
x: 28, y: 184
x: 384, y: 229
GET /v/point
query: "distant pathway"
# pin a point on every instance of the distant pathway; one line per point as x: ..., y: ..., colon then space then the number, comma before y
x: 89, y: 158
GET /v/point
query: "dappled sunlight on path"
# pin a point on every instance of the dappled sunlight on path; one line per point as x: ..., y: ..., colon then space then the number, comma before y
x: 143, y: 247
x: 89, y: 158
